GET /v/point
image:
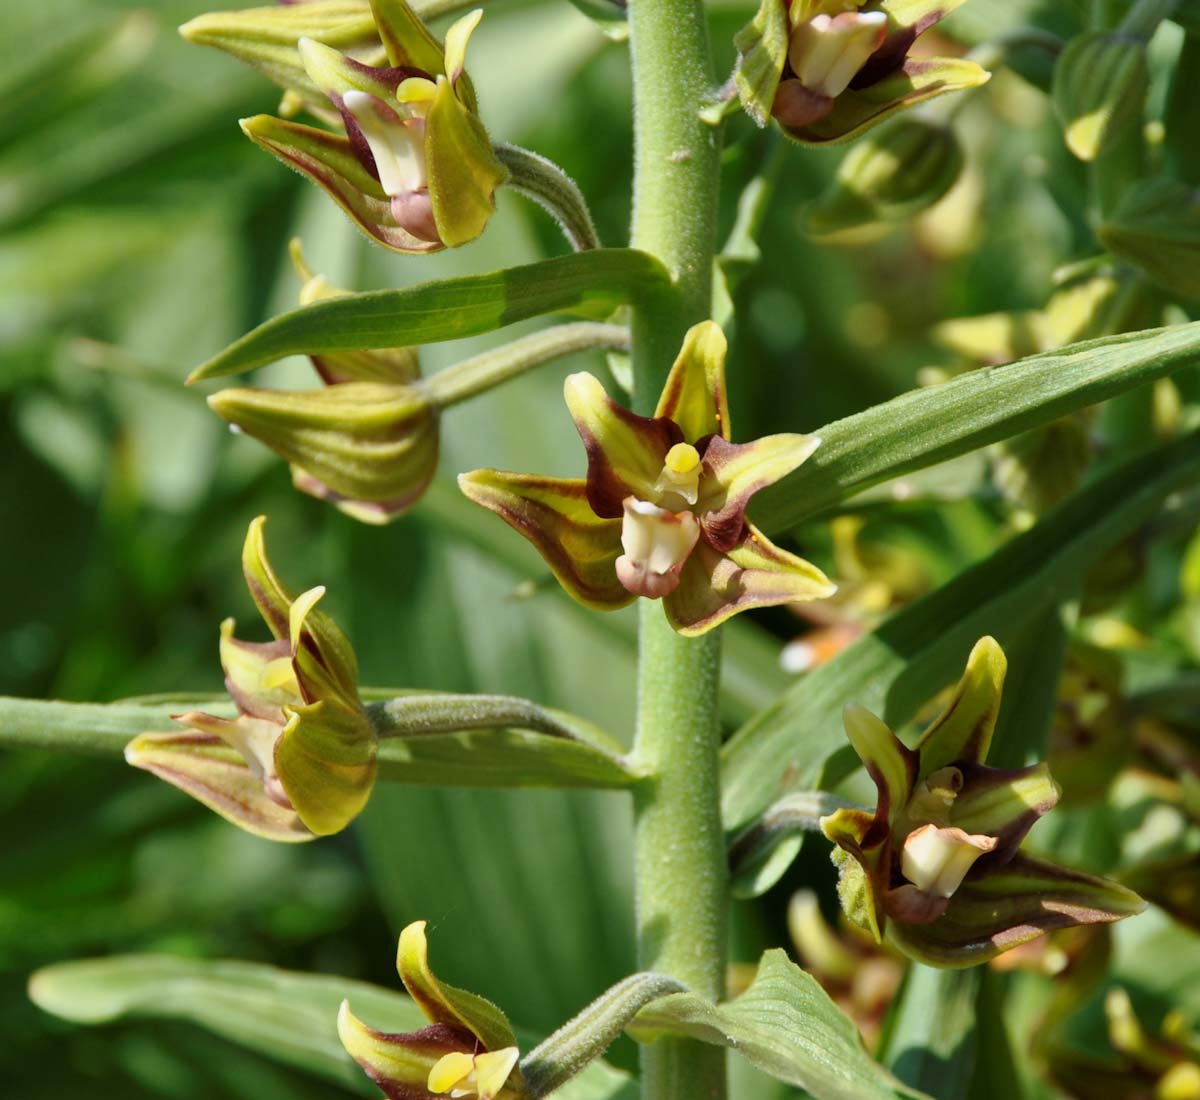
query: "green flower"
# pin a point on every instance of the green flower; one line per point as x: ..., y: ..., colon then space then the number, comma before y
x: 662, y: 512
x: 298, y: 760
x: 468, y: 1050
x: 828, y: 70
x: 936, y: 867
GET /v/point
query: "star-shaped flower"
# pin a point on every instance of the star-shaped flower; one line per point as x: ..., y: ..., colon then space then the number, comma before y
x: 937, y: 866
x: 662, y: 512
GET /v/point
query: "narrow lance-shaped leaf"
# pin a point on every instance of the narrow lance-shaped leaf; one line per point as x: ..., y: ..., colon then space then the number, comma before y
x: 927, y: 426
x: 902, y: 664
x: 593, y: 283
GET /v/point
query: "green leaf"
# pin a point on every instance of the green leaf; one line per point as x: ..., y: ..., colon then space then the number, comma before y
x: 288, y: 1016
x: 786, y: 1025
x: 902, y: 664
x: 593, y: 283
x: 927, y: 426
x: 930, y: 1038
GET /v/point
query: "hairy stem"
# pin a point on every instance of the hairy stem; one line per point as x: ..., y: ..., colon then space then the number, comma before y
x: 477, y: 375
x: 541, y: 180
x: 681, y: 878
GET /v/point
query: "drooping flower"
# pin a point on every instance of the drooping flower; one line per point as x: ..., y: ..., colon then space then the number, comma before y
x: 414, y: 168
x: 368, y: 442
x: 468, y: 1051
x: 298, y: 760
x: 827, y: 70
x: 936, y: 866
x: 662, y: 512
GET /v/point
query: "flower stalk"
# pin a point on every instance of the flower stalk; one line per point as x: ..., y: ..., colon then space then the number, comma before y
x: 680, y: 873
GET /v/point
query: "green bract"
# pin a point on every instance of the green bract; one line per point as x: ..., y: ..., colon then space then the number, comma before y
x: 299, y: 759
x: 828, y: 70
x: 936, y: 866
x: 662, y: 512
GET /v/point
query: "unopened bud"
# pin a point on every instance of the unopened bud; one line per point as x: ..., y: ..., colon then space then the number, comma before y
x: 1157, y: 227
x: 896, y: 171
x: 369, y: 448
x: 1100, y: 85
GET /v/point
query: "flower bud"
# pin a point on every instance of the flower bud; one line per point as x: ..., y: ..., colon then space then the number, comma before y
x: 1100, y: 85
x: 1157, y: 227
x: 369, y: 448
x: 897, y: 171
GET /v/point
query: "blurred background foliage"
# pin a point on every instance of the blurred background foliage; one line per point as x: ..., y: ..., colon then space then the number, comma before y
x: 141, y: 232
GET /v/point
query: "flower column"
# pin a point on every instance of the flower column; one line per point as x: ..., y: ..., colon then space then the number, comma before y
x: 680, y: 852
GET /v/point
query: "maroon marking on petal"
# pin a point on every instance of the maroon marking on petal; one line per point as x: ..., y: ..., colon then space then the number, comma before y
x: 796, y: 106
x: 606, y: 489
x: 414, y: 212
x: 890, y: 56
x: 1011, y: 836
x: 358, y: 141
x: 912, y: 906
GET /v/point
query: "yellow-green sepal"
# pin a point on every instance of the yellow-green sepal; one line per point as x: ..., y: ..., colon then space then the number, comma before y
x: 325, y: 663
x: 267, y: 38
x: 325, y: 759
x: 373, y: 443
x: 891, y: 765
x: 713, y: 586
x: 762, y: 47
x: 406, y: 39
x: 963, y: 731
x: 398, y: 1063
x: 446, y: 1004
x: 861, y: 855
x: 329, y: 161
x: 553, y: 513
x: 1008, y: 906
x: 694, y: 395
x: 214, y: 773
x: 857, y: 110
x: 463, y: 171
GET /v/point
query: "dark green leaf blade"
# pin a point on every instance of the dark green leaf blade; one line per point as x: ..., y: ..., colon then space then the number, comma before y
x: 592, y: 283
x: 927, y: 426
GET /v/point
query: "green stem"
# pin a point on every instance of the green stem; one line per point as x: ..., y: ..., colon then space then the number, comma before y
x: 483, y: 372
x: 1145, y: 16
x: 680, y: 869
x: 541, y: 180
